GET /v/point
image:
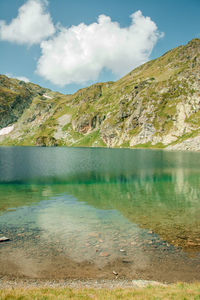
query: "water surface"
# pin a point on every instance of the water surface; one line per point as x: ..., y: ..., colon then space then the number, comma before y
x: 85, y: 212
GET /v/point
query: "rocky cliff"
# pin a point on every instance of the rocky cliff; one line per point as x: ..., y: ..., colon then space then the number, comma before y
x: 157, y: 105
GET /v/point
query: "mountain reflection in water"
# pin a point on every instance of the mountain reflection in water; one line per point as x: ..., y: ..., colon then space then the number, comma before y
x: 156, y: 190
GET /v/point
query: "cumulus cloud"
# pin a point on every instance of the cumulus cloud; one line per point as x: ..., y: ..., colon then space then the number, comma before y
x: 32, y: 25
x: 79, y: 53
x: 23, y: 78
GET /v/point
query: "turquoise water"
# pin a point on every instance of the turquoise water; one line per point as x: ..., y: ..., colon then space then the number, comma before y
x: 90, y: 209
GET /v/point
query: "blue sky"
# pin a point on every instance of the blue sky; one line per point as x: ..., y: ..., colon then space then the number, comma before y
x: 65, y: 45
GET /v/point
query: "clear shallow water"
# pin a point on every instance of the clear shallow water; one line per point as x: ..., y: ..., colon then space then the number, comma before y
x: 74, y: 212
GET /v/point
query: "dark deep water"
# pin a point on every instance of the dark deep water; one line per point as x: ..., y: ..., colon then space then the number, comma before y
x: 84, y: 212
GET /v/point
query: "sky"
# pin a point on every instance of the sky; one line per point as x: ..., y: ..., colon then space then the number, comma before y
x: 66, y: 45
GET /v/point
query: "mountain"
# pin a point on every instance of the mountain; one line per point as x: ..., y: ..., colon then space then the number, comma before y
x: 157, y: 105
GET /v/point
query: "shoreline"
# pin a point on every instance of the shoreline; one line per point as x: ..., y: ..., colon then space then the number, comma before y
x: 98, y: 289
x: 6, y: 283
x: 168, y: 148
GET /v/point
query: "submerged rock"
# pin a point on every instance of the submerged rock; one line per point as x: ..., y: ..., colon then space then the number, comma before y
x: 4, y: 239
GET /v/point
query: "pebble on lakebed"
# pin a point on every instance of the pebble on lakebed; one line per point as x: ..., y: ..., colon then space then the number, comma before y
x: 115, y: 273
x: 104, y: 254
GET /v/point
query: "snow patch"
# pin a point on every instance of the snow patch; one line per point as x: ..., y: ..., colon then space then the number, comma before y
x: 6, y: 130
x: 46, y: 96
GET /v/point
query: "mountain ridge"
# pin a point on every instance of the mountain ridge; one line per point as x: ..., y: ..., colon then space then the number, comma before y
x: 156, y: 105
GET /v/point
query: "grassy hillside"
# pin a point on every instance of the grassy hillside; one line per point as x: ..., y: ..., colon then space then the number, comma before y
x: 156, y: 105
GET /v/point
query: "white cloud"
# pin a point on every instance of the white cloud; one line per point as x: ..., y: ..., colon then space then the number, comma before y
x: 23, y: 78
x: 32, y: 25
x: 79, y: 53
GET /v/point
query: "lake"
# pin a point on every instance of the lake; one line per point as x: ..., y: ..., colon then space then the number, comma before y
x: 99, y: 213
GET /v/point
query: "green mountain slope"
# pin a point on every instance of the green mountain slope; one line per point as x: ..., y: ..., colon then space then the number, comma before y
x: 155, y: 105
